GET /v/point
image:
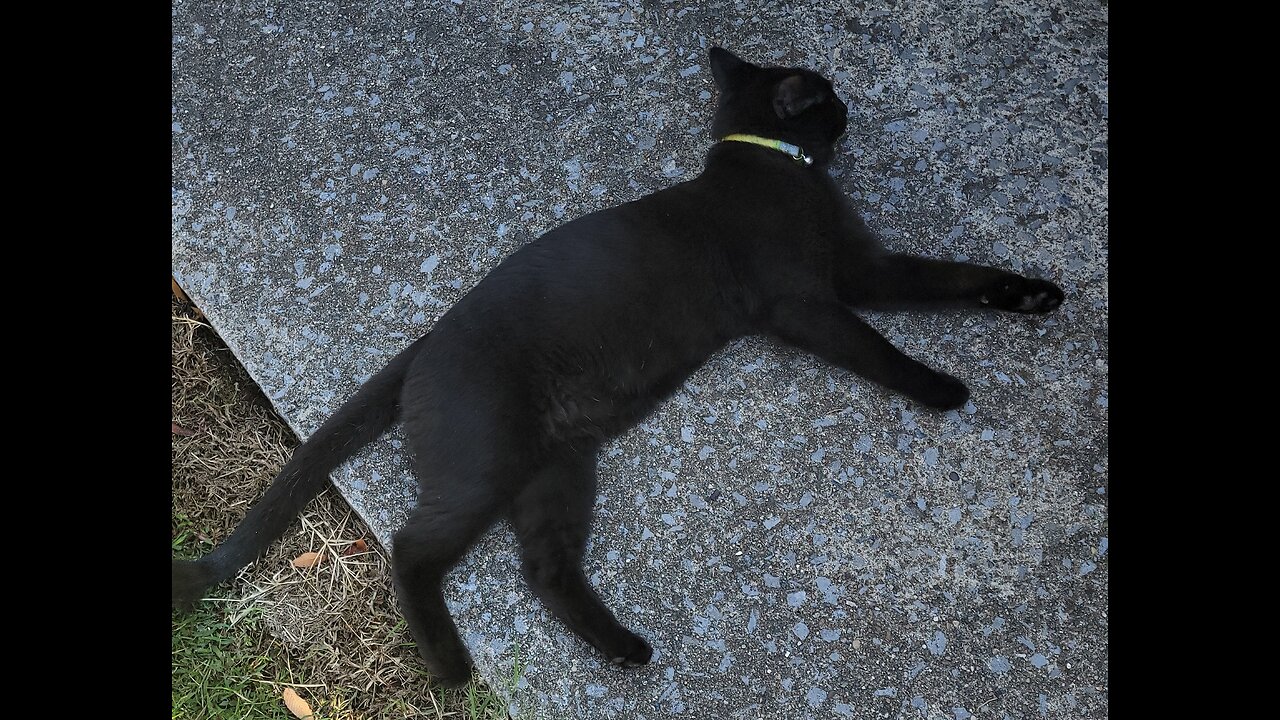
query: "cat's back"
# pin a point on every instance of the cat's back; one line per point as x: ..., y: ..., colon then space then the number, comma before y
x: 655, y: 248
x: 597, y: 319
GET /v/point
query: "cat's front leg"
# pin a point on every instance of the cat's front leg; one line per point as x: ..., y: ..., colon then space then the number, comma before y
x: 830, y: 331
x: 1015, y: 293
x: 902, y: 282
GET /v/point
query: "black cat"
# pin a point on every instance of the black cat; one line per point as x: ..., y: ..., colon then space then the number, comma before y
x: 578, y: 335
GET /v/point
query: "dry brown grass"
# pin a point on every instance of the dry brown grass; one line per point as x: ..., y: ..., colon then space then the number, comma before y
x: 333, y: 630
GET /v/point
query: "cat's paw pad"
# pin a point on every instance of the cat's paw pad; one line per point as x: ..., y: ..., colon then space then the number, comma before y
x: 946, y: 393
x: 1024, y: 295
x: 634, y: 653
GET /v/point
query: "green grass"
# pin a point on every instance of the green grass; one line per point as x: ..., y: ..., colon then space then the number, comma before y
x: 182, y: 547
x: 481, y: 703
x: 216, y: 673
x: 219, y: 670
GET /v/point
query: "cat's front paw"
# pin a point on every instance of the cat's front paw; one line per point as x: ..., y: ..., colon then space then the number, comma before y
x: 1023, y: 295
x: 632, y: 652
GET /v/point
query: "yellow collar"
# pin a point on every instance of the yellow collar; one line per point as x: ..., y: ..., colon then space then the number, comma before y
x: 795, y: 151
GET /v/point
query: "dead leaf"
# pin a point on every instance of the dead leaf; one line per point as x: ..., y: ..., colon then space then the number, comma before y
x: 179, y: 430
x: 296, y: 705
x: 356, y: 547
x: 308, y: 559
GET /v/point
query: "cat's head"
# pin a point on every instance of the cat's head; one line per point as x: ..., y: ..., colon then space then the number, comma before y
x: 792, y: 104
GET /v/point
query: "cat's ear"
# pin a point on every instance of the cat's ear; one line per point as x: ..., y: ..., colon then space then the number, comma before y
x: 794, y: 96
x: 727, y: 68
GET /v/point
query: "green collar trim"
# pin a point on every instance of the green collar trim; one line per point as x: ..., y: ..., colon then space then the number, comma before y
x: 796, y: 152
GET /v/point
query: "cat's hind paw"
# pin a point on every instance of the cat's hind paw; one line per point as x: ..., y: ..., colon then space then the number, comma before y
x: 451, y: 680
x: 448, y: 669
x: 634, y: 653
x: 944, y: 393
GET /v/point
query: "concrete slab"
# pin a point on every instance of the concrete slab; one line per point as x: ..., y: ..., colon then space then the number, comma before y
x: 794, y: 542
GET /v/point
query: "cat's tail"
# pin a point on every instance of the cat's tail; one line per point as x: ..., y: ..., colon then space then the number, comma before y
x: 358, y: 422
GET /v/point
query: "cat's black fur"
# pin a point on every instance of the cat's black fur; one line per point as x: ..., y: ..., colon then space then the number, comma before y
x: 578, y: 335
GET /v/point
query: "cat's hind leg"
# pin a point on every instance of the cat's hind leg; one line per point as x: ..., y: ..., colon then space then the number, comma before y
x: 552, y: 518
x: 904, y: 282
x: 433, y: 540
x: 471, y: 452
